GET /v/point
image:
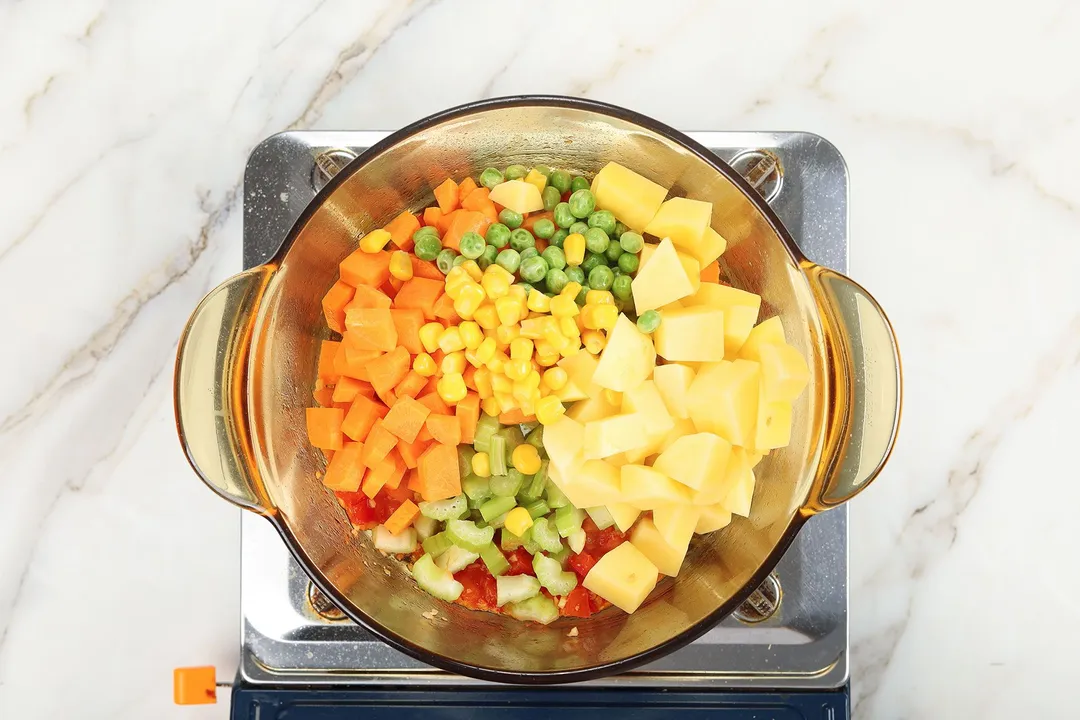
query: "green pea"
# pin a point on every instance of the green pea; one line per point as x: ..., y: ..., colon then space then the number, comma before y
x: 556, y: 280
x: 472, y: 245
x: 533, y: 269
x: 427, y: 246
x: 516, y: 172
x: 596, y: 240
x: 579, y: 227
x: 560, y: 180
x: 445, y: 260
x: 555, y: 257
x: 526, y: 286
x: 601, y: 277
x: 509, y: 259
x: 620, y: 287
x: 460, y: 260
x: 631, y: 242
x: 558, y: 238
x: 628, y: 263
x: 603, y: 219
x: 528, y: 253
x: 563, y: 217
x: 490, y: 178
x: 521, y: 239
x: 615, y: 269
x: 625, y: 306
x: 544, y: 228
x: 591, y: 260
x: 425, y: 230
x: 614, y: 250
x: 551, y: 197
x: 582, y: 202
x: 510, y: 219
x: 543, y: 170
x: 648, y: 321
x: 576, y: 274
x: 620, y: 228
x: 498, y: 235
x: 579, y: 183
x: 485, y: 260
x: 581, y: 296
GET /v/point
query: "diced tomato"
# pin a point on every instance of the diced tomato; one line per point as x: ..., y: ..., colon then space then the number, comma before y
x: 520, y: 563
x: 366, y: 513
x: 577, y: 603
x: 581, y: 563
x: 599, y: 542
x: 596, y: 602
x: 480, y: 592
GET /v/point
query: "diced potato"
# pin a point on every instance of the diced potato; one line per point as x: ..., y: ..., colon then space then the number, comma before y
x: 724, y: 400
x: 611, y: 435
x: 628, y: 358
x: 563, y: 441
x: 580, y: 369
x: 662, y: 280
x: 624, y: 577
x: 517, y: 195
x: 595, y: 483
x: 623, y: 514
x: 645, y: 400
x: 740, y: 494
x: 689, y: 263
x: 617, y: 460
x: 682, y: 427
x: 632, y: 198
x: 694, y: 334
x: 683, y: 220
x: 784, y: 373
x: 740, y: 312
x: 713, y: 517
x: 768, y: 332
x: 717, y: 487
x: 646, y: 489
x: 693, y: 459
x: 652, y: 545
x: 676, y: 523
x: 594, y: 408
x: 637, y: 455
x: 712, y: 246
x: 673, y: 382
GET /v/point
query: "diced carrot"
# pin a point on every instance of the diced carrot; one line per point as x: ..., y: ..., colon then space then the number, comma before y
x: 362, y: 415
x: 402, y: 518
x: 329, y: 455
x: 439, y: 474
x: 490, y: 212
x: 530, y: 222
x: 411, y: 452
x: 468, y: 414
x: 394, y: 285
x: 394, y: 481
x: 515, y: 417
x: 413, y: 480
x: 425, y: 435
x: 425, y: 269
x: 342, y: 406
x: 465, y: 221
x: 366, y: 390
x: 345, y: 471
x: 324, y: 396
x: 327, y: 370
x: 368, y: 297
x: 407, y: 322
x: 469, y: 376
x: 347, y: 389
x: 433, y: 381
x: 465, y: 189
x: 387, y: 471
x: 447, y: 195
x: 541, y: 245
x: 406, y: 418
x: 445, y: 429
x: 388, y: 397
x: 432, y: 215
x: 444, y: 309
x: 411, y: 385
x: 379, y: 443
x: 401, y: 230
x: 434, y: 403
x: 420, y: 293
x: 387, y: 371
x: 324, y: 427
x: 334, y: 302
x: 362, y: 268
x: 353, y: 361
x: 372, y: 328
x: 446, y: 220
x: 711, y: 272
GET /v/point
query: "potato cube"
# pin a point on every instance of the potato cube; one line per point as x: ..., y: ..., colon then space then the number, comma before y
x: 694, y: 459
x: 645, y: 488
x: 673, y: 383
x: 784, y: 373
x: 724, y: 400
x: 645, y: 400
x: 713, y: 517
x: 612, y: 435
x: 624, y: 577
x: 693, y: 334
x: 683, y: 220
x: 634, y: 199
x: 767, y: 332
x: 628, y: 358
x: 676, y: 523
x: 662, y: 280
x: 652, y: 545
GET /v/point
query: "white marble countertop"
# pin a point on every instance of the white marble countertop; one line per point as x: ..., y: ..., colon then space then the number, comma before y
x: 124, y: 128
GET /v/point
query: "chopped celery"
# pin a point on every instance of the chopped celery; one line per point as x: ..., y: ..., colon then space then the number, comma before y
x: 562, y: 555
x: 485, y: 429
x: 530, y: 545
x: 435, y: 580
x: 384, y: 540
x: 456, y: 559
x: 437, y: 544
x: 515, y: 588
x: 513, y: 436
x: 507, y: 485
x: 552, y: 576
x: 568, y: 519
x: 601, y: 517
x: 425, y: 527
x: 528, y: 427
x: 466, y: 534
x: 537, y: 509
x: 538, y: 608
x: 499, y: 521
x: 576, y: 541
x: 476, y: 487
x: 497, y: 506
x: 545, y: 535
x: 534, y: 486
x: 464, y: 456
x: 536, y: 438
x: 496, y: 563
x: 475, y: 503
x: 447, y: 509
x: 555, y: 497
x: 497, y: 455
x: 509, y: 541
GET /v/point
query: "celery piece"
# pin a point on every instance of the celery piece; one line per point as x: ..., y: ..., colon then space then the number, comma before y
x: 513, y: 436
x: 507, y: 485
x: 425, y: 527
x: 552, y: 576
x: 555, y: 497
x: 497, y: 506
x: 601, y: 516
x: 515, y: 588
x: 568, y: 519
x: 456, y: 559
x: 508, y: 541
x: 493, y: 558
x: 400, y: 544
x: 497, y: 455
x: 466, y: 534
x: 435, y: 580
x: 534, y: 486
x: 536, y: 438
x: 545, y: 535
x: 447, y: 509
x: 465, y: 456
x: 538, y: 608
x: 576, y: 541
x: 485, y: 429
x: 476, y: 487
x: 437, y: 544
x: 538, y: 508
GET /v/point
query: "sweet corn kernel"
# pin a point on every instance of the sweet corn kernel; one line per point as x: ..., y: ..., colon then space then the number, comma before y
x: 506, y: 402
x: 429, y: 335
x: 471, y: 334
x: 481, y: 464
x: 549, y: 409
x: 529, y: 408
x: 538, y: 301
x: 424, y: 365
x: 518, y: 521
x: 521, y: 348
x: 469, y: 300
x: 517, y: 369
x: 600, y: 317
x: 473, y: 270
x: 526, y: 458
x: 521, y: 392
x: 453, y: 363
x: 555, y: 338
x: 571, y: 290
x: 374, y: 241
x: 522, y: 296
x: 495, y: 285
x: 486, y: 351
x: 490, y: 406
x: 574, y: 248
x: 509, y: 311
x: 501, y: 384
x: 563, y: 306
x: 498, y: 362
x: 507, y: 334
x: 500, y: 270
x: 534, y: 327
x: 455, y: 281
x: 450, y: 340
x: 555, y: 378
x: 568, y: 327
x: 547, y: 359
x: 451, y: 388
x: 486, y: 316
x: 470, y: 357
x: 482, y: 380
x: 594, y: 341
x: 401, y: 265
x: 599, y: 297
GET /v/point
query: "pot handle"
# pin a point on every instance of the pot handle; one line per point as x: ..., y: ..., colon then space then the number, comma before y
x: 209, y: 389
x: 865, y: 388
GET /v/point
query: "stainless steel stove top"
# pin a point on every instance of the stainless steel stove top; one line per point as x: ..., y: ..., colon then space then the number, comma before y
x: 803, y: 644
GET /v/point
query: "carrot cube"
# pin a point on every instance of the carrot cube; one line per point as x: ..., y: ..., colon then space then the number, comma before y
x: 345, y: 471
x: 387, y: 471
x: 324, y: 427
x: 420, y: 293
x: 432, y: 215
x: 468, y: 414
x: 402, y: 518
x: 366, y: 296
x: 445, y: 429
x: 401, y: 230
x: 406, y: 418
x: 447, y: 195
x: 334, y: 302
x: 407, y: 322
x: 371, y: 328
x: 387, y: 371
x: 410, y: 452
x: 362, y: 415
x: 378, y: 445
x: 327, y: 371
x: 363, y: 268
x: 439, y: 474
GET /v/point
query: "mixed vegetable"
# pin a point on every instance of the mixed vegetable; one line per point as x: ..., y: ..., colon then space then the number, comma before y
x: 466, y: 332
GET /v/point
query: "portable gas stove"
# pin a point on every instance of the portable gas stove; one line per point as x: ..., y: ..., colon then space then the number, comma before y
x: 783, y: 654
